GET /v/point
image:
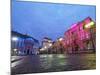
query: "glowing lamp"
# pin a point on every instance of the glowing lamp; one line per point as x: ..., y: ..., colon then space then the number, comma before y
x: 14, y: 38
x: 60, y: 39
x: 15, y: 49
x: 89, y: 24
x: 45, y: 47
x: 41, y: 49
x: 50, y: 44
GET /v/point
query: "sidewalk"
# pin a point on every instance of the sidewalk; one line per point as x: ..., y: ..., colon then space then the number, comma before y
x: 16, y: 60
x: 13, y: 58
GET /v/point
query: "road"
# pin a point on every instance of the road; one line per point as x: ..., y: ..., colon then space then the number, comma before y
x: 52, y: 63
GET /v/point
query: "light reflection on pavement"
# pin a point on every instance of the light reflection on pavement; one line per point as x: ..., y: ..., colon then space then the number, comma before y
x: 54, y: 62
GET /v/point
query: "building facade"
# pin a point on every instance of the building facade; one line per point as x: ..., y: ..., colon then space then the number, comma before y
x: 46, y: 45
x: 22, y: 44
x: 81, y: 37
x: 58, y: 47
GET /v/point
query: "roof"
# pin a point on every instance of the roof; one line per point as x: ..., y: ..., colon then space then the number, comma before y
x: 14, y: 33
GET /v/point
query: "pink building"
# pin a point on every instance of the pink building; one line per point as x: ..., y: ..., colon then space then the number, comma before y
x: 80, y: 37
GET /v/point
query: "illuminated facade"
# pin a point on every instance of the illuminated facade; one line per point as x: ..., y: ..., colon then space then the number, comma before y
x: 46, y: 45
x: 80, y: 37
x: 23, y: 44
x: 58, y: 46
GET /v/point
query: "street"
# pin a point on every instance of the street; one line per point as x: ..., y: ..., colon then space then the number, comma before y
x: 52, y: 63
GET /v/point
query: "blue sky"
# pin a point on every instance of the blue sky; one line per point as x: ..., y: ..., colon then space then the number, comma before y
x: 47, y: 19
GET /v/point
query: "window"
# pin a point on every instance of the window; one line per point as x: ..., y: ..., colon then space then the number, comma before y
x: 87, y: 35
x: 81, y: 28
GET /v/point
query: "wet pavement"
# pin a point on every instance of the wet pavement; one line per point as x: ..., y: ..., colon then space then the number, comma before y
x: 53, y: 63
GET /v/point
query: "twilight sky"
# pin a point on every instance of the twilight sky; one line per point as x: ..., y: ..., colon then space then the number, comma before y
x: 47, y: 19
